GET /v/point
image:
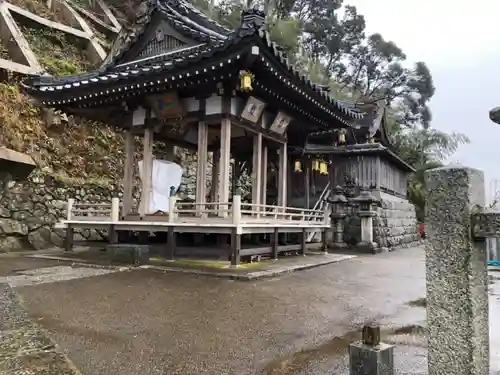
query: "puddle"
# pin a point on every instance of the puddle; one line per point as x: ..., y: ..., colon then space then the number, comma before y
x: 297, y: 362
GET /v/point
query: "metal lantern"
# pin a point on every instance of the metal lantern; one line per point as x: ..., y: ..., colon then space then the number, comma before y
x: 315, y: 165
x: 323, y: 168
x: 297, y: 166
x: 246, y: 81
x: 341, y: 138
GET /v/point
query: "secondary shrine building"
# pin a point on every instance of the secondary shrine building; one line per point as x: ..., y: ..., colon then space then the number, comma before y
x: 181, y: 78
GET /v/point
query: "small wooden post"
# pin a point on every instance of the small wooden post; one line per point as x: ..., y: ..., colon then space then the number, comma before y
x: 236, y: 210
x: 115, y: 209
x: 69, y: 209
x: 114, y: 217
x: 172, y: 200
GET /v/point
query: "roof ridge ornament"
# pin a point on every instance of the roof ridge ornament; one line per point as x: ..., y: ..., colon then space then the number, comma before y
x: 252, y: 21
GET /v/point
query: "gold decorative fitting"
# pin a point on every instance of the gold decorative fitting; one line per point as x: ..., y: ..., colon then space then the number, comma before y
x: 323, y: 168
x: 298, y: 167
x: 246, y: 79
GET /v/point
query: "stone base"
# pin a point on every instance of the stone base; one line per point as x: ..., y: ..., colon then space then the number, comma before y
x: 337, y: 246
x: 128, y: 253
x: 368, y: 247
x: 368, y: 360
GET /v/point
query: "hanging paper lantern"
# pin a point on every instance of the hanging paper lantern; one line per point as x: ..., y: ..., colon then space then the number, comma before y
x: 323, y: 168
x: 315, y: 166
x: 298, y: 166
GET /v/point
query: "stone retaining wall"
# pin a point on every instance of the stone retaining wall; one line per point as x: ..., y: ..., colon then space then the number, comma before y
x: 394, y: 226
x: 396, y: 223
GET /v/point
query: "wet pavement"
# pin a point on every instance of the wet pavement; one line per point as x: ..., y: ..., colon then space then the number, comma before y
x: 146, y: 322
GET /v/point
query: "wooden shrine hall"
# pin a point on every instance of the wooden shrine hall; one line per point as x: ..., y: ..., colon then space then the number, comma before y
x: 179, y: 77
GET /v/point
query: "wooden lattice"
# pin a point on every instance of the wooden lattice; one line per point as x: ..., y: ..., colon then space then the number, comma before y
x: 90, y: 24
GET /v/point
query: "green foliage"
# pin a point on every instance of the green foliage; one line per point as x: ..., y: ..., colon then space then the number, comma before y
x: 57, y: 52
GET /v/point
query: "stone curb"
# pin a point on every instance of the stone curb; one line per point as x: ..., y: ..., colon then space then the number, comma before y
x: 249, y: 276
x: 16, y: 310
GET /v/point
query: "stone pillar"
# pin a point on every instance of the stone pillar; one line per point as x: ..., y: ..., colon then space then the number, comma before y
x: 456, y: 272
x: 370, y: 356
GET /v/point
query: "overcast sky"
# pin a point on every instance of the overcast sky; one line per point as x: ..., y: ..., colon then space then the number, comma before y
x: 461, y: 46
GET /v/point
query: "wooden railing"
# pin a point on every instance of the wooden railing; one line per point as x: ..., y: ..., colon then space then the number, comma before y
x: 236, y: 212
x: 93, y: 211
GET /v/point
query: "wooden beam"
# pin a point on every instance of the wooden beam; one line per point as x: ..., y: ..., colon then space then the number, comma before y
x: 201, y: 169
x: 128, y: 178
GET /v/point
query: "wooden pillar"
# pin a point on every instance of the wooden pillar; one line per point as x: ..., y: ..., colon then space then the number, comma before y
x: 224, y: 161
x: 263, y: 180
x: 147, y: 172
x: 378, y: 173
x: 282, y: 176
x: 306, y: 167
x: 214, y: 190
x: 201, y: 169
x: 128, y: 175
x: 257, y: 169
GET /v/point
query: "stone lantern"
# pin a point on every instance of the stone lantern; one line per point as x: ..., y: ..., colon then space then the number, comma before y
x: 367, y: 210
x: 338, y: 204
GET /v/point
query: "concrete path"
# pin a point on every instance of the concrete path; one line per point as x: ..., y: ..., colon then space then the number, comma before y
x: 146, y: 322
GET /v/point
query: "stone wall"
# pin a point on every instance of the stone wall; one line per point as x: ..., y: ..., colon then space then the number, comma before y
x: 394, y: 226
x: 29, y: 210
x: 396, y: 223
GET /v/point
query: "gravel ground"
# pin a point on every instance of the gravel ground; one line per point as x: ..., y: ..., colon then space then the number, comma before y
x: 25, y: 349
x: 145, y: 322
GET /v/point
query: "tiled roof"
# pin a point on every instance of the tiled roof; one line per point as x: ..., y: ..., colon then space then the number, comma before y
x: 250, y: 33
